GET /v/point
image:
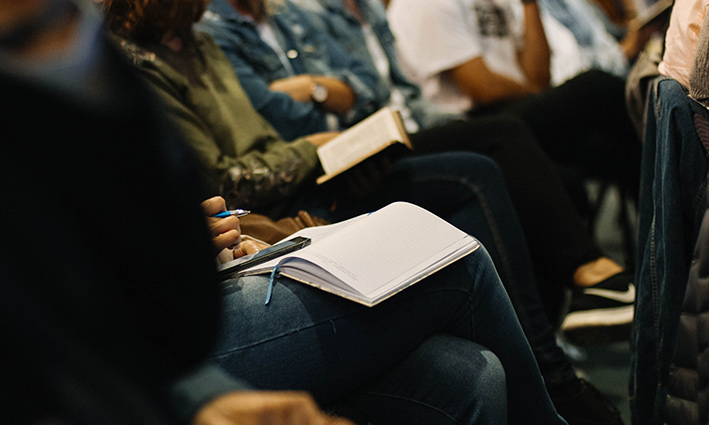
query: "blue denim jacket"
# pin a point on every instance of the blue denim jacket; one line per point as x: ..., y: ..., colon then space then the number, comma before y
x: 347, y: 31
x: 671, y: 207
x: 256, y: 65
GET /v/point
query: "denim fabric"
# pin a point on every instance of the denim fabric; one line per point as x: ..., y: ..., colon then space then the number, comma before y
x: 309, y: 52
x: 587, y: 23
x: 338, y: 22
x: 671, y: 205
x: 467, y: 190
x: 412, y: 359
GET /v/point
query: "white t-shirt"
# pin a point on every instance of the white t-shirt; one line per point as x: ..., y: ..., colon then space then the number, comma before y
x: 433, y: 36
x: 681, y: 38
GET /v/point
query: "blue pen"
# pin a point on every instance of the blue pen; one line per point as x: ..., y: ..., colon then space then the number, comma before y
x: 238, y: 213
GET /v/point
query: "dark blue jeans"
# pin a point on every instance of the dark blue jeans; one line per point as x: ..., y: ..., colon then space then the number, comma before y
x: 467, y: 190
x: 448, y: 350
x: 671, y: 206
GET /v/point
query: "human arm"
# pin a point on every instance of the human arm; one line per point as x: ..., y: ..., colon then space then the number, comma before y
x: 485, y: 85
x: 289, y: 117
x: 476, y: 80
x: 340, y: 99
x: 242, y: 157
x: 534, y: 55
x: 208, y: 396
x: 457, y: 51
x: 257, y: 65
x: 265, y: 408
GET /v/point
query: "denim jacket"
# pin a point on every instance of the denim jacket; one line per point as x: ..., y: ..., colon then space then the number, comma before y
x: 670, y: 210
x: 309, y: 52
x: 347, y: 31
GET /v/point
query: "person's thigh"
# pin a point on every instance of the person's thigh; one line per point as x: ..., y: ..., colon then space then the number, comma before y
x: 584, y: 122
x: 308, y: 339
x: 446, y: 380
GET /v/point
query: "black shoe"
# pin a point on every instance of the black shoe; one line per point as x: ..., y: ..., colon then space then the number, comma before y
x: 580, y: 403
x: 602, y: 313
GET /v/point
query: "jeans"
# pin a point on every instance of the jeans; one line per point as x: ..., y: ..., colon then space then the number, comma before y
x: 559, y: 242
x: 448, y: 350
x: 468, y: 190
x: 671, y: 206
x: 583, y: 123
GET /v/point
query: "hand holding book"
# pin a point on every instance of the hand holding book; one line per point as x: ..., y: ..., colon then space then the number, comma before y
x: 361, y: 141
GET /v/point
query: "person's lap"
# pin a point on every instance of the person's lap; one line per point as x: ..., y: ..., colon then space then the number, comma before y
x: 311, y: 340
x: 467, y: 190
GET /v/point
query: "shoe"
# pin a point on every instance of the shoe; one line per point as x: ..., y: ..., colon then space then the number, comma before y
x: 580, y: 403
x: 602, y: 313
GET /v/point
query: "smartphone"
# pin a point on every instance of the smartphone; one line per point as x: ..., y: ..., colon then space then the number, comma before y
x: 229, y: 268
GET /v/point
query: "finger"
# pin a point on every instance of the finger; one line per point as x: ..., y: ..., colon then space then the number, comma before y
x: 246, y: 248
x: 213, y: 205
x: 223, y: 225
x: 227, y: 240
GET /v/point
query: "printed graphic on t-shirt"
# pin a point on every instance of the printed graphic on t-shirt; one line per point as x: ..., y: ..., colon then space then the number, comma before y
x: 491, y: 20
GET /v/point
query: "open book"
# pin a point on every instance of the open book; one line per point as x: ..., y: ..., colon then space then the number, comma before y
x: 361, y: 141
x: 369, y: 258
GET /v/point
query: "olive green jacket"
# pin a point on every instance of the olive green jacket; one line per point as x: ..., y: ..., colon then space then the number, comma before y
x: 244, y: 159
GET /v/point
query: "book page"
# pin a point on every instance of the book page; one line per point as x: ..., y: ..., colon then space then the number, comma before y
x: 360, y: 141
x: 382, y: 248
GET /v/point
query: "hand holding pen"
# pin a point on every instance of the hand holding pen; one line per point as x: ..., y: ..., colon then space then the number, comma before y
x: 224, y: 225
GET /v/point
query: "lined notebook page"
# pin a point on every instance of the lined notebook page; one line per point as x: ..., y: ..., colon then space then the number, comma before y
x: 381, y: 249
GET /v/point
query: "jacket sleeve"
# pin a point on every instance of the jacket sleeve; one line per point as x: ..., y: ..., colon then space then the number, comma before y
x: 190, y: 392
x: 360, y: 77
x: 370, y: 93
x: 292, y: 119
x: 263, y: 174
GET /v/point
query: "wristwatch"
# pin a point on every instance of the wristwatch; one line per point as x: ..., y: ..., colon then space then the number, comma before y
x: 318, y: 92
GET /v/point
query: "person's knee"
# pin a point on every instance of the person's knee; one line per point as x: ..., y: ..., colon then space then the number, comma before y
x: 473, y: 379
x: 472, y: 169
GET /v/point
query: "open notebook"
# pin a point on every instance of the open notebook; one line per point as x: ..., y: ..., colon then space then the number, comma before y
x: 369, y: 258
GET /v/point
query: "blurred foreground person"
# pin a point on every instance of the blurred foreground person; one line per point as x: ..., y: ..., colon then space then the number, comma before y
x: 106, y: 311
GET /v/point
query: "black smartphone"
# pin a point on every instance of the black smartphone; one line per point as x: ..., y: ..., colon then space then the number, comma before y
x: 229, y: 268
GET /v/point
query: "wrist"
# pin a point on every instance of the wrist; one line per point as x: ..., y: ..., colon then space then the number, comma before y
x: 318, y: 92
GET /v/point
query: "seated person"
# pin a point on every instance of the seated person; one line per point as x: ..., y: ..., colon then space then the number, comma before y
x: 544, y: 210
x: 563, y: 252
x: 580, y: 40
x: 476, y: 57
x: 113, y: 325
x: 123, y: 306
x: 238, y: 146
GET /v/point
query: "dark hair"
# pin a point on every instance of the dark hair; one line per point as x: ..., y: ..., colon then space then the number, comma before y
x: 257, y: 8
x: 148, y: 21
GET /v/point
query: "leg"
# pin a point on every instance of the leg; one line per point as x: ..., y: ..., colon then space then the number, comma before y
x: 558, y: 240
x: 458, y: 367
x: 304, y: 335
x: 584, y: 122
x: 468, y: 191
